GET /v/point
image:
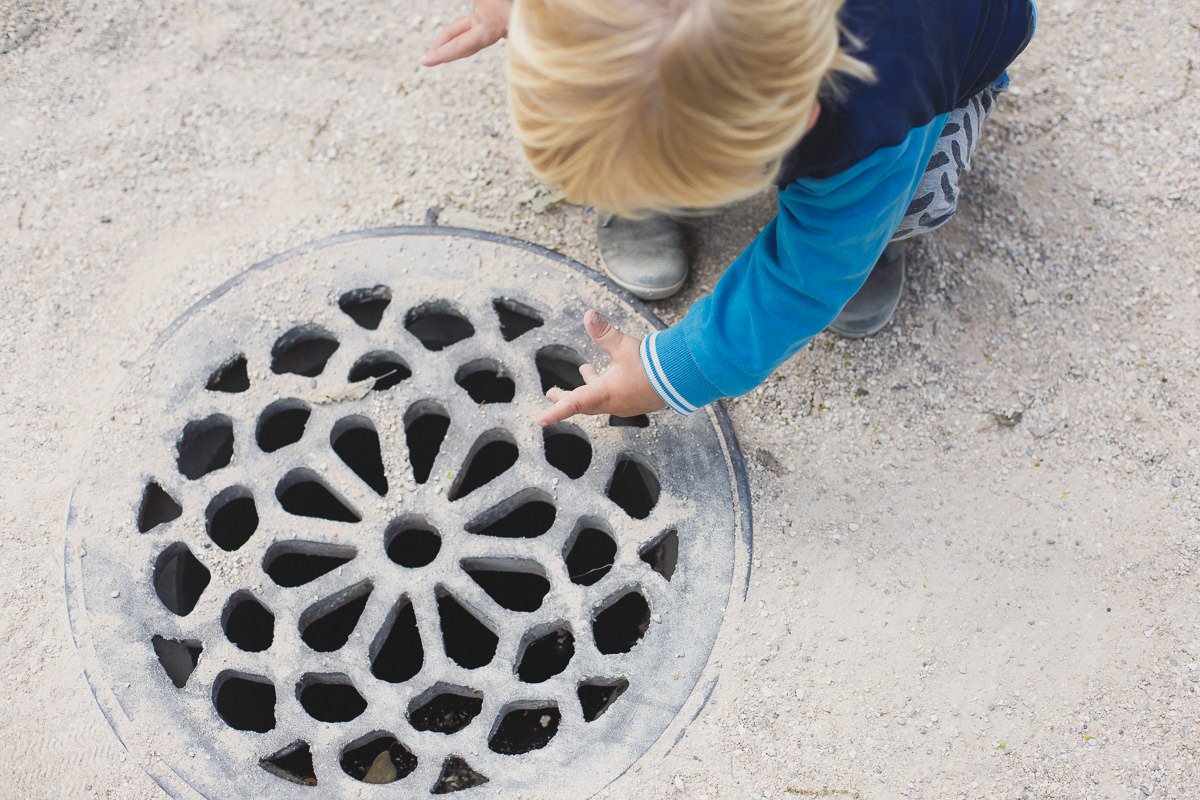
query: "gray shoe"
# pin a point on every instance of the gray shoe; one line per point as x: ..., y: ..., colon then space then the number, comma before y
x: 645, y: 256
x: 875, y: 303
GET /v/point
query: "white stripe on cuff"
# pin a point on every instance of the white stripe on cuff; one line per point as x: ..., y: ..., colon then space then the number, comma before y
x: 659, y: 382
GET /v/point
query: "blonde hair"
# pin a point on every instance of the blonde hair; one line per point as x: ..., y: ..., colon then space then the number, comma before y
x: 636, y: 106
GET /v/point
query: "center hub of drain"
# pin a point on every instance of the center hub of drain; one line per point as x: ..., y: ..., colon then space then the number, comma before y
x: 323, y: 542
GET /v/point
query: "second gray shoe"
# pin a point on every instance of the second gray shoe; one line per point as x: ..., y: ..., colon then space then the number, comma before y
x: 875, y: 303
x: 645, y: 256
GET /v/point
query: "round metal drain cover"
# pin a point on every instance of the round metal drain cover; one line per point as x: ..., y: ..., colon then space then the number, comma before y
x: 322, y: 541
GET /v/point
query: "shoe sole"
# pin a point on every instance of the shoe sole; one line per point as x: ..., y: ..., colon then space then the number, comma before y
x: 644, y: 292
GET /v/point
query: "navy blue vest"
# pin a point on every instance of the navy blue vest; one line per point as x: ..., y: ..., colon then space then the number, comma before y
x: 929, y: 56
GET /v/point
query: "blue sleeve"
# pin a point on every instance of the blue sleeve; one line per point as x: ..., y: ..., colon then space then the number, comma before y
x: 792, y: 281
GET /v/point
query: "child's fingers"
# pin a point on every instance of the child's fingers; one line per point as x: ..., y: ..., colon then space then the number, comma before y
x: 451, y: 31
x: 588, y: 373
x: 603, y: 332
x: 567, y: 404
x: 465, y: 42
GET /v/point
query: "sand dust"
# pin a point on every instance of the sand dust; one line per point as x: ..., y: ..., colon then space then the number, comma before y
x: 943, y: 606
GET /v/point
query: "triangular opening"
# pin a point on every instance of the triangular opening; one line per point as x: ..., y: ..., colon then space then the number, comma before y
x: 468, y: 642
x: 297, y: 563
x: 231, y: 377
x: 663, y: 553
x: 511, y: 589
x: 303, y: 493
x: 326, y: 625
x: 493, y: 454
x: 396, y: 653
x: 357, y: 444
x: 158, y: 508
x: 424, y: 430
x: 595, y: 698
x: 178, y: 657
x: 293, y: 763
x: 515, y: 318
x: 456, y: 776
x: 524, y: 516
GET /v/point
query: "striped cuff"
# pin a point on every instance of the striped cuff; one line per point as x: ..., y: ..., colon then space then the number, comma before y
x: 674, y: 374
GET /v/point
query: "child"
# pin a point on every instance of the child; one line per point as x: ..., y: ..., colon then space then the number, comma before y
x: 861, y: 113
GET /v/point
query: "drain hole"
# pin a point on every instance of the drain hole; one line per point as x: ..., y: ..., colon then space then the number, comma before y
x: 247, y: 623
x: 245, y: 702
x: 446, y: 712
x: 366, y: 306
x: 303, y: 493
x: 546, y: 656
x: 425, y: 428
x: 522, y: 516
x: 636, y: 421
x: 231, y: 377
x: 525, y: 730
x: 330, y: 698
x: 567, y: 449
x: 634, y: 487
x: 663, y: 553
x: 157, y: 508
x: 297, y: 563
x: 438, y: 326
x: 178, y: 657
x: 280, y: 424
x: 377, y: 758
x: 231, y: 518
x: 205, y: 446
x: 326, y: 625
x: 622, y: 625
x: 486, y: 382
x: 388, y: 369
x: 591, y: 556
x: 304, y: 350
x: 595, y: 698
x: 396, y: 653
x: 513, y: 589
x: 559, y: 366
x: 515, y: 318
x: 357, y: 444
x: 292, y: 763
x: 468, y: 642
x: 412, y: 542
x: 179, y: 579
x: 491, y: 456
x: 456, y: 776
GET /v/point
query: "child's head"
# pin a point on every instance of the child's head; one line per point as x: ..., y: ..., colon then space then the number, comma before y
x: 642, y: 105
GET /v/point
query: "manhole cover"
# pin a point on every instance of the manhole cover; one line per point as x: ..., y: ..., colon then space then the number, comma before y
x: 321, y: 540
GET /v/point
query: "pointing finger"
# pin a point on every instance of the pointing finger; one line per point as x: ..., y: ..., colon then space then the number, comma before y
x: 588, y: 373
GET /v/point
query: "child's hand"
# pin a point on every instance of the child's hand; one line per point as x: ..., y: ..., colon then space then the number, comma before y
x: 484, y: 26
x: 623, y: 389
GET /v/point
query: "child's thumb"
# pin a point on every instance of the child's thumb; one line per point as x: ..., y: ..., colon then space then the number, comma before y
x: 603, y: 332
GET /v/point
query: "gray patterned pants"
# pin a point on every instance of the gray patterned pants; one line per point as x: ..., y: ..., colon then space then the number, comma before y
x: 936, y: 199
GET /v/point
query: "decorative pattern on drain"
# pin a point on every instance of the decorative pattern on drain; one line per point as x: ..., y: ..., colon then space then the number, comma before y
x: 368, y: 565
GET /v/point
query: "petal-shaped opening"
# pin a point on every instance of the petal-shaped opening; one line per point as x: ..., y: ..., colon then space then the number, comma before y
x: 468, y: 642
x: 493, y: 454
x: 591, y: 552
x: 296, y: 563
x: 567, y: 449
x: 558, y: 366
x: 545, y: 653
x: 621, y: 624
x: 179, y: 579
x: 377, y: 758
x: 357, y: 444
x: 425, y: 426
x: 304, y: 493
x: 231, y: 518
x: 281, y: 423
x: 525, y: 515
x: 304, y: 350
x: 396, y: 653
x: 388, y: 370
x: 634, y: 486
x: 523, y: 730
x: 445, y: 709
x: 438, y: 325
x: 486, y: 381
x: 206, y: 445
x: 330, y: 697
x: 326, y: 625
x: 248, y: 623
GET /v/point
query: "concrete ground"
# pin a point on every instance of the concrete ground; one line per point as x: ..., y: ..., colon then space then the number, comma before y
x: 948, y: 601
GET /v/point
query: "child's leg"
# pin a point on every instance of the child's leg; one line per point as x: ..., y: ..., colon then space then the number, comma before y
x: 936, y: 199
x: 933, y: 205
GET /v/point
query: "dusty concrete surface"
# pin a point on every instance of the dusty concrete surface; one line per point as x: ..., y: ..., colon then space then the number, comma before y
x: 942, y: 605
